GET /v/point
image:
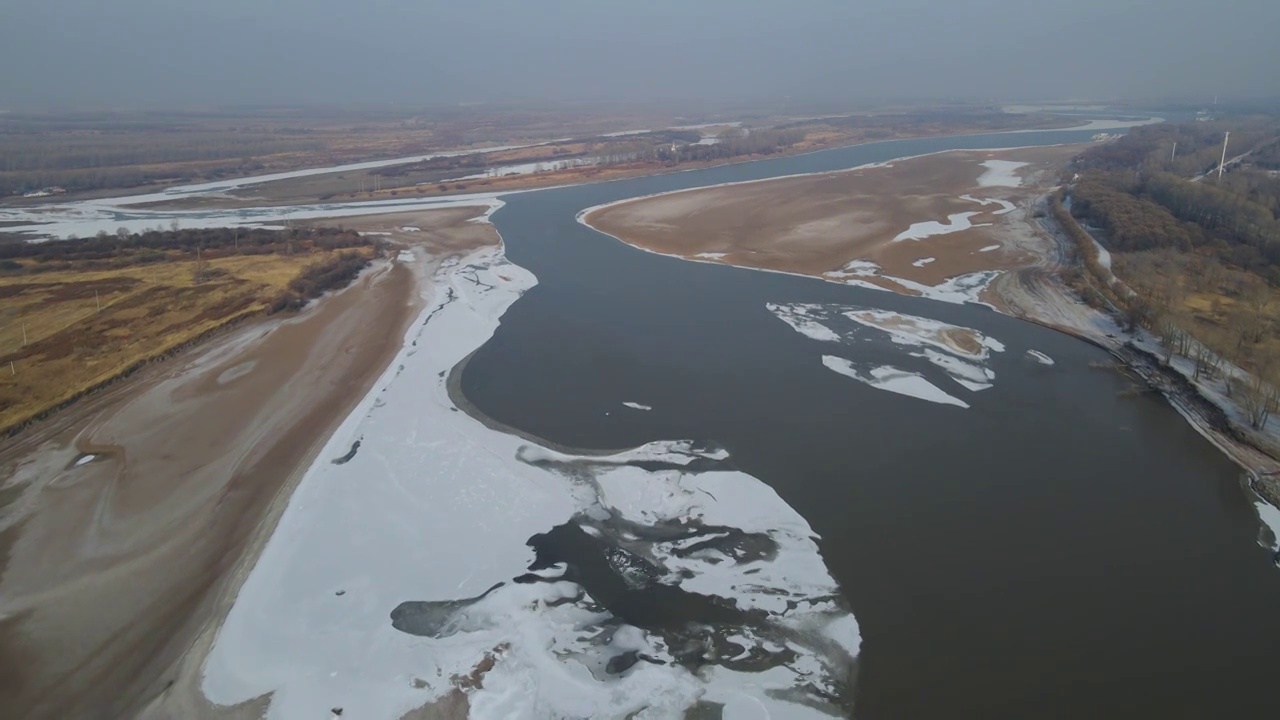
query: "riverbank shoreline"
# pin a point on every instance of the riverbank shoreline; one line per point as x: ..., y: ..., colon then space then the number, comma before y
x: 215, y: 440
x: 1028, y: 286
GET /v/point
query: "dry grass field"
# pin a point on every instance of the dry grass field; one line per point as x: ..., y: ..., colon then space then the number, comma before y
x: 66, y: 331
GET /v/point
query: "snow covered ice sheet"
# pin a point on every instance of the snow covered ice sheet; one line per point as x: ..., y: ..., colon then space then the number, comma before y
x: 574, y: 585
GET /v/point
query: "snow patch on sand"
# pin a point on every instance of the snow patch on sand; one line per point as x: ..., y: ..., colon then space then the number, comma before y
x: 1104, y: 256
x: 891, y: 379
x: 85, y: 460
x: 1006, y: 207
x: 923, y: 261
x: 956, y: 222
x: 711, y: 255
x: 955, y: 290
x: 1000, y: 173
x: 989, y: 248
x: 914, y: 330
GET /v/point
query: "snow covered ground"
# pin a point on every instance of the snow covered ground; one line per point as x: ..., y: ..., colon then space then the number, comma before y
x: 921, y: 230
x: 1006, y: 207
x: 956, y: 290
x: 573, y: 586
x: 1000, y: 173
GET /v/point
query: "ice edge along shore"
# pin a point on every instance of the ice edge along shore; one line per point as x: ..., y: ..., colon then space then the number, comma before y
x: 437, y: 508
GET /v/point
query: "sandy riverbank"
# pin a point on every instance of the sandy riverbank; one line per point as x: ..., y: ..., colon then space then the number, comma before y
x: 116, y: 566
x: 908, y: 226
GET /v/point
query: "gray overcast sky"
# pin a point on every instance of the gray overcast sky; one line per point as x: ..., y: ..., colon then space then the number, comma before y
x: 172, y: 52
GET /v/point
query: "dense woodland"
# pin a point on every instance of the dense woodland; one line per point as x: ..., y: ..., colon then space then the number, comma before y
x: 1197, y: 256
x: 1143, y: 197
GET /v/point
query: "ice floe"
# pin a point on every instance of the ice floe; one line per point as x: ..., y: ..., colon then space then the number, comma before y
x: 1270, y: 516
x: 448, y: 557
x: 887, y: 377
x: 798, y: 316
x: 1000, y: 173
x: 1039, y: 357
x: 913, y: 330
x: 959, y: 352
x: 637, y: 406
x: 956, y: 222
x: 971, y: 375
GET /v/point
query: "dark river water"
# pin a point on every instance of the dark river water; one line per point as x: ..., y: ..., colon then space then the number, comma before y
x: 1054, y: 551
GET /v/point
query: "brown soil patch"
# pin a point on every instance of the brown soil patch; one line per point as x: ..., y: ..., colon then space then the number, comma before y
x: 819, y: 223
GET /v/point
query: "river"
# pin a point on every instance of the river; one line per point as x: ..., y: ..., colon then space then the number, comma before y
x: 1055, y: 550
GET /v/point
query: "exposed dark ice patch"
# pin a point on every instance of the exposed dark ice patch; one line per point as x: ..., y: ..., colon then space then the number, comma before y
x: 355, y: 446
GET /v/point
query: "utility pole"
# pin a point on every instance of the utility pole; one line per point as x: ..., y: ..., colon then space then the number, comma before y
x: 1223, y: 161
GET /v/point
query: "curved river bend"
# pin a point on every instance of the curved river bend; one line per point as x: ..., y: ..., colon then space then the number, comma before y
x: 1054, y: 550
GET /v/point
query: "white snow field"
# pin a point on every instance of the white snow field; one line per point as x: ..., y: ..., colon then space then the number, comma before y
x: 1000, y: 173
x: 391, y: 577
x: 921, y: 230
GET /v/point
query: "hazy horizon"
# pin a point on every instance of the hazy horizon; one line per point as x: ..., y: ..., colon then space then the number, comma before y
x: 152, y: 54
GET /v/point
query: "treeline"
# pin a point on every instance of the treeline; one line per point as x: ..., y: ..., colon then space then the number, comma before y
x: 110, y: 152
x: 17, y: 183
x: 730, y: 144
x: 885, y: 124
x: 1153, y: 294
x: 735, y: 144
x: 1150, y: 148
x: 124, y: 249
x: 333, y: 272
x: 1144, y: 198
x: 1152, y: 210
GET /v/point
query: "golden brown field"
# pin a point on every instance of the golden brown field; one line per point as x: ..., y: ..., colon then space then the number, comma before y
x: 64, y: 332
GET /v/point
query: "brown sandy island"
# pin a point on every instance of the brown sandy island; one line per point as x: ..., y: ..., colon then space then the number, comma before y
x: 118, y: 569
x: 819, y: 224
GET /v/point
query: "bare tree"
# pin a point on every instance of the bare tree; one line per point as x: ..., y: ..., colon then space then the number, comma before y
x: 1258, y: 398
x: 1207, y: 362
